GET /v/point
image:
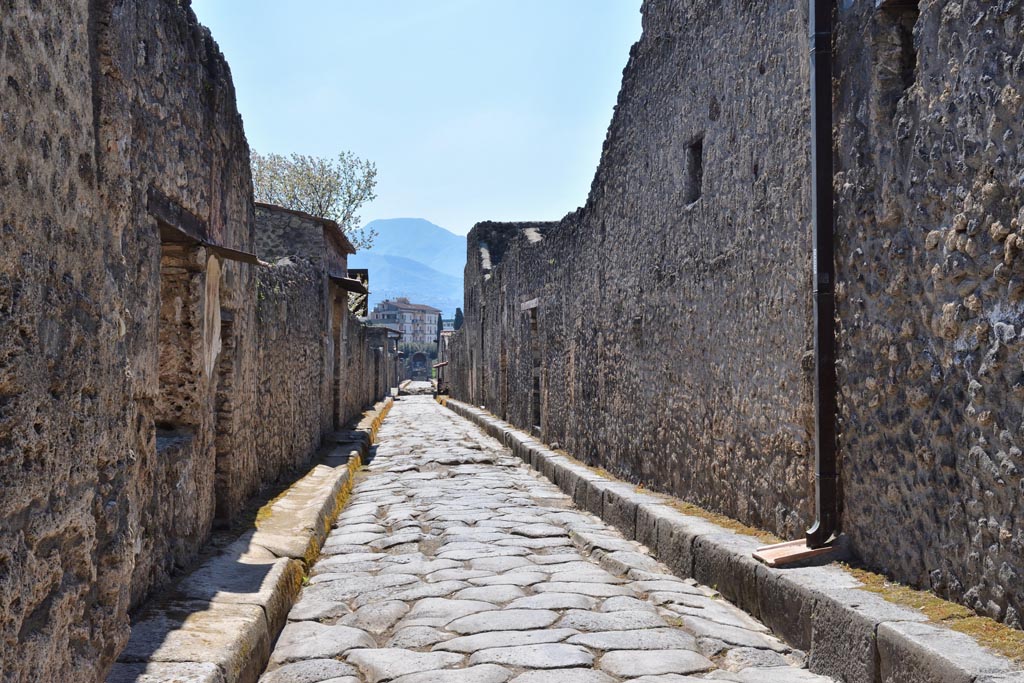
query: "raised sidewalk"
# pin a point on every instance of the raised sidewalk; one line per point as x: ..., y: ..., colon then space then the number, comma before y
x: 849, y: 634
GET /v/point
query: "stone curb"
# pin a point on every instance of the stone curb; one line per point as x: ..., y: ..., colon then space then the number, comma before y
x: 218, y: 623
x: 851, y: 635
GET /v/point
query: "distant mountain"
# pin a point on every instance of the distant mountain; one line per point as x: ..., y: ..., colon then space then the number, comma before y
x: 414, y: 258
x: 394, y: 276
x: 420, y: 240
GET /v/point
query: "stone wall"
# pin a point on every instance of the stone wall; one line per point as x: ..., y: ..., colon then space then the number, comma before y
x: 129, y: 364
x: 666, y: 324
x: 313, y: 371
x: 670, y: 316
x: 293, y: 411
x: 931, y: 295
x: 103, y: 103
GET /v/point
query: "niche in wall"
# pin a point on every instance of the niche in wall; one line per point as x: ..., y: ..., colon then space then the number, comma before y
x: 693, y: 170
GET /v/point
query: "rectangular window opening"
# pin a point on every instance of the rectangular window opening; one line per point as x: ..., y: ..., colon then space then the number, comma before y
x: 694, y: 170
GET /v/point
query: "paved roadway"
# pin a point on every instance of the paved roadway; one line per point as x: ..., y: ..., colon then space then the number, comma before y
x: 455, y: 563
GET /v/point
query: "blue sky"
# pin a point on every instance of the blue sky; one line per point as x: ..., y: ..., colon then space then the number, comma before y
x: 472, y: 109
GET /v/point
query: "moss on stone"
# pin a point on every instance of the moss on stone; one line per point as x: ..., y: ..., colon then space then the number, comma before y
x: 723, y: 521
x: 998, y: 637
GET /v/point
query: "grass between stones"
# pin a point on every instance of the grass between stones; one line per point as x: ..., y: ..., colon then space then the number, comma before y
x: 723, y: 521
x: 1007, y: 641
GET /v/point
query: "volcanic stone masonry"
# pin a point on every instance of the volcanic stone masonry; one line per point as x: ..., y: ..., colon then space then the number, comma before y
x: 139, y: 366
x: 663, y: 330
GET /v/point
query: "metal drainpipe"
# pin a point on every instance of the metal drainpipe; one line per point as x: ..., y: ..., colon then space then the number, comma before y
x: 826, y: 478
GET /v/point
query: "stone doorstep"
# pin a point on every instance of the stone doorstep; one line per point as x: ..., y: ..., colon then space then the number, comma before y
x: 851, y: 635
x: 218, y: 623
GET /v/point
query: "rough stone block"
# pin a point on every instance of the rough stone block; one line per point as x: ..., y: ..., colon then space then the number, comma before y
x: 676, y: 534
x: 621, y: 508
x: 558, y: 464
x: 534, y: 455
x: 647, y: 516
x: 246, y: 574
x: 234, y: 637
x: 571, y: 478
x: 594, y: 500
x: 542, y: 462
x: 725, y: 561
x: 844, y: 625
x: 298, y: 521
x: 787, y: 598
x: 910, y: 652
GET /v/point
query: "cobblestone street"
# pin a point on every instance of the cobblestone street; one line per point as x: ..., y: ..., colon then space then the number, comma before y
x: 454, y: 563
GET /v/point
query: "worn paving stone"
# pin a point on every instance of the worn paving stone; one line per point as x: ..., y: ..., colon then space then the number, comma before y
x: 484, y: 673
x: 318, y: 610
x: 741, y: 658
x: 310, y: 640
x: 597, y: 590
x: 495, y: 594
x: 376, y: 618
x: 511, y: 578
x: 309, y: 671
x: 492, y: 639
x: 775, y: 674
x: 624, y: 603
x: 555, y: 601
x: 731, y: 634
x: 504, y: 620
x: 667, y: 678
x: 641, y: 639
x: 384, y: 664
x: 564, y: 676
x: 455, y: 563
x: 611, y: 621
x: 547, y: 656
x: 412, y: 637
x: 653, y: 662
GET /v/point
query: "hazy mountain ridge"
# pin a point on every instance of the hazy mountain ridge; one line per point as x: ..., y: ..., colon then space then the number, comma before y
x: 414, y: 258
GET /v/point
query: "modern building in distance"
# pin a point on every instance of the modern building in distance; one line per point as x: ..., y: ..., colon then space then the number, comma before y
x: 416, y: 322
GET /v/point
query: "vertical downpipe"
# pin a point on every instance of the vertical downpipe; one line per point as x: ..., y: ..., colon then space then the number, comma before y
x: 826, y: 478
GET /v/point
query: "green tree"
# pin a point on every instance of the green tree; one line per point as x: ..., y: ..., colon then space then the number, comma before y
x: 458, y: 319
x: 332, y: 189
x: 440, y: 325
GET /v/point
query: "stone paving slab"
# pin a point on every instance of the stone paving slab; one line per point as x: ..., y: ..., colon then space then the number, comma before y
x: 456, y: 563
x: 853, y: 635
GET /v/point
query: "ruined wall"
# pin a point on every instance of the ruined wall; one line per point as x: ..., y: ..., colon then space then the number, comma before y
x: 671, y: 341
x: 103, y: 101
x: 129, y: 363
x: 170, y: 144
x: 931, y: 295
x: 62, y: 431
x: 294, y: 398
x: 284, y: 233
x: 370, y: 365
x: 673, y: 315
